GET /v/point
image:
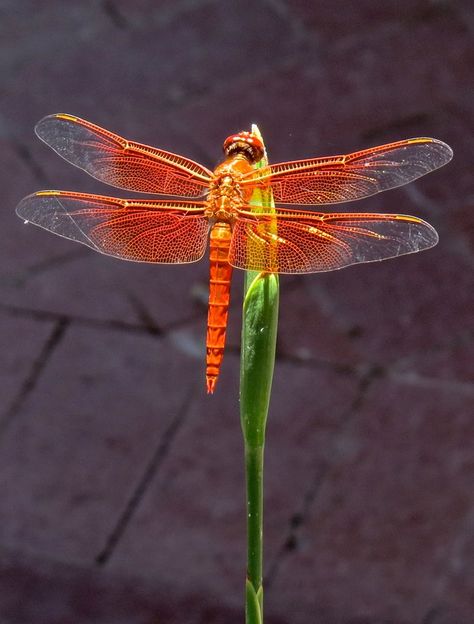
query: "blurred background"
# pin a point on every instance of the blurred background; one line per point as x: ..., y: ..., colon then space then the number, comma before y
x: 121, y: 482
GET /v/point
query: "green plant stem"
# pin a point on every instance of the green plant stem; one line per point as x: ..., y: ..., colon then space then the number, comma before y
x: 259, y: 330
x: 254, y: 479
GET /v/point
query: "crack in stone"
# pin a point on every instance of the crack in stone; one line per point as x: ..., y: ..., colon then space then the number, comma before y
x: 115, y: 15
x: 36, y: 370
x: 144, y: 316
x: 148, y: 475
x: 112, y: 324
x: 42, y: 315
x: 46, y: 265
x: 298, y: 519
x: 25, y: 155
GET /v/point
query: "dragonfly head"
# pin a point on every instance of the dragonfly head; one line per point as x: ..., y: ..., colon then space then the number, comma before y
x: 246, y: 143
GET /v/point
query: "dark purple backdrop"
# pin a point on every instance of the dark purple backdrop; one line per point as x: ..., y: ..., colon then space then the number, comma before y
x: 121, y: 482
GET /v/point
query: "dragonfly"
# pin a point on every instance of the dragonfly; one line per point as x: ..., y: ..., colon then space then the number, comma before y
x: 202, y: 207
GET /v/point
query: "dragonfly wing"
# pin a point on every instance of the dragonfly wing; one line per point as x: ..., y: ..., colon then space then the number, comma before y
x: 121, y: 163
x: 307, y: 242
x: 143, y: 231
x: 354, y: 176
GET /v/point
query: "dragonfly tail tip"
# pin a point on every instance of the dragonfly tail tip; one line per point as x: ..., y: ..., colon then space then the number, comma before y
x: 211, y: 384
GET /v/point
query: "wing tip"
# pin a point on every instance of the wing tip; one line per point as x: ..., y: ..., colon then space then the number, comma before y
x: 42, y: 123
x: 444, y: 151
x: 23, y: 203
x: 431, y: 235
x: 431, y: 238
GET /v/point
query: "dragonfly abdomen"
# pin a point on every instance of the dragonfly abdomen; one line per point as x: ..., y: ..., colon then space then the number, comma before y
x: 219, y: 297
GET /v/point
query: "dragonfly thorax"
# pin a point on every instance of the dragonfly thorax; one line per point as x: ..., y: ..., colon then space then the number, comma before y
x: 226, y: 193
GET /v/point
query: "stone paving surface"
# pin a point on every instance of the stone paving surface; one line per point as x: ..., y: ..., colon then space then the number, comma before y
x: 121, y: 482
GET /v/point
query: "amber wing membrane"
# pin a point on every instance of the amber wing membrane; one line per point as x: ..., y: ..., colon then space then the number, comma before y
x: 121, y: 163
x: 336, y: 179
x: 291, y: 241
x: 142, y: 231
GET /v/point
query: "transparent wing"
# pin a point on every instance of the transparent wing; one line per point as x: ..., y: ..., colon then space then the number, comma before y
x: 121, y: 163
x: 293, y: 241
x: 336, y: 179
x: 143, y: 231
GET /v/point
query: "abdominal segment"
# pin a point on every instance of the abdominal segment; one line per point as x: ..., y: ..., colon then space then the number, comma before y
x: 219, y: 297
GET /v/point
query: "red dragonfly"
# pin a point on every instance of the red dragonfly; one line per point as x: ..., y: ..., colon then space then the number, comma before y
x: 284, y: 240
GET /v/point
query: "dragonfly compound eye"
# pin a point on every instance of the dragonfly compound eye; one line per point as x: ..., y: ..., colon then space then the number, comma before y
x: 246, y: 143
